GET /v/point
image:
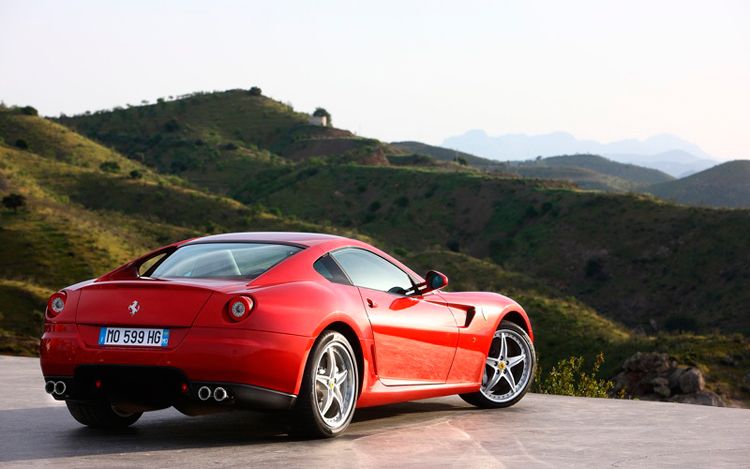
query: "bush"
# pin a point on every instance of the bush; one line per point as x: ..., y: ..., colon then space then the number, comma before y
x: 453, y: 245
x: 110, y: 167
x: 14, y: 201
x: 172, y: 125
x: 29, y: 111
x: 375, y: 206
x: 135, y: 174
x: 462, y: 161
x: 402, y: 201
x: 255, y: 91
x: 568, y: 378
x: 681, y: 323
x: 21, y: 143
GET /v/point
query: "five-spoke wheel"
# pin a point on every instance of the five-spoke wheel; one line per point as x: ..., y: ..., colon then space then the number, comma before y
x: 325, y: 405
x: 509, y: 368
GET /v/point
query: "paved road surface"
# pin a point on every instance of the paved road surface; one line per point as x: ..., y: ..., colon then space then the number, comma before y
x: 540, y: 431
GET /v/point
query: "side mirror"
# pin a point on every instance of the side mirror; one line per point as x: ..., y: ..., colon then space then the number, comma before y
x: 434, y: 280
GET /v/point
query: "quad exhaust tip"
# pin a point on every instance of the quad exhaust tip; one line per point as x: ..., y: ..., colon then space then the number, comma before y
x: 56, y: 388
x: 204, y: 393
x: 220, y: 394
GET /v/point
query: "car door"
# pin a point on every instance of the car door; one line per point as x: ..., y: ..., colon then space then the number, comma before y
x: 415, y: 336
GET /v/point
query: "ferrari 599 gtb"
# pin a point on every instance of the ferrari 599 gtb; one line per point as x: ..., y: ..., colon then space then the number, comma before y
x: 311, y: 323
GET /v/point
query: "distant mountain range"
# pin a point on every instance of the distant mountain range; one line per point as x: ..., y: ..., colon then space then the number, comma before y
x: 665, y: 152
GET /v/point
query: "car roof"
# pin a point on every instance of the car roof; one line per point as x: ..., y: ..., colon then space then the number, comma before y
x: 304, y: 239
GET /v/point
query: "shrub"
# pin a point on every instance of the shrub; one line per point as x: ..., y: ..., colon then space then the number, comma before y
x: 681, y: 323
x: 29, y: 111
x: 172, y: 125
x: 135, y: 174
x: 375, y: 206
x: 453, y: 245
x: 462, y: 161
x: 14, y: 201
x: 255, y: 91
x: 110, y: 167
x: 21, y: 143
x: 229, y: 146
x: 568, y: 378
x: 402, y: 201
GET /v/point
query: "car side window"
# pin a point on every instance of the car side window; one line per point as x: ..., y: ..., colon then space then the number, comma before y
x: 328, y: 268
x: 369, y: 270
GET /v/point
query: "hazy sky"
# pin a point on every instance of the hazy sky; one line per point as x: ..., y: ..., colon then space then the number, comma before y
x: 399, y: 70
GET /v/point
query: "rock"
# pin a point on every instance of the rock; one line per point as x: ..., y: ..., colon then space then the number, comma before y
x: 701, y: 398
x: 691, y: 381
x: 674, y: 378
x: 661, y: 387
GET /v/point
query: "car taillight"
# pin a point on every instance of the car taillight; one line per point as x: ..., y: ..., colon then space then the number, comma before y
x: 56, y: 303
x: 239, y: 307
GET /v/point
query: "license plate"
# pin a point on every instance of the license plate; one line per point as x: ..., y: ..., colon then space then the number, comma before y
x: 133, y: 337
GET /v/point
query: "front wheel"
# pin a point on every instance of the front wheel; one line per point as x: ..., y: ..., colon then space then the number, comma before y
x: 508, y: 371
x: 325, y: 405
x: 101, y: 415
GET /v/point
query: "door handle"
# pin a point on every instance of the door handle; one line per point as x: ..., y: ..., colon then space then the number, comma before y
x: 371, y: 303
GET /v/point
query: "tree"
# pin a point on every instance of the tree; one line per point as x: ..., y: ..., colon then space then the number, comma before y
x: 14, y: 201
x: 255, y: 91
x: 29, y: 111
x: 21, y: 143
x: 321, y: 112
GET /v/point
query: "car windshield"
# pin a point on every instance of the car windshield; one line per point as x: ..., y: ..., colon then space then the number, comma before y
x: 223, y: 260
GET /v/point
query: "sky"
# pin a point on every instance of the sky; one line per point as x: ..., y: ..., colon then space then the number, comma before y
x: 404, y: 70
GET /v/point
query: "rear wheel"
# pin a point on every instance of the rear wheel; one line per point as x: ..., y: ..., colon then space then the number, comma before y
x: 325, y: 405
x: 101, y: 415
x: 508, y: 371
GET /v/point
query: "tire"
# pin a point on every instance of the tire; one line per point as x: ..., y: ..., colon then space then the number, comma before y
x: 502, y: 393
x: 318, y: 409
x: 101, y: 415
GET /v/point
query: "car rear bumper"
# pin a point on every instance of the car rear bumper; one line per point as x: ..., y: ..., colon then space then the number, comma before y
x: 139, y: 388
x: 249, y: 362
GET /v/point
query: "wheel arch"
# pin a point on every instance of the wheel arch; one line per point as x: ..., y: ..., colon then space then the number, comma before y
x: 347, y: 331
x: 518, y: 317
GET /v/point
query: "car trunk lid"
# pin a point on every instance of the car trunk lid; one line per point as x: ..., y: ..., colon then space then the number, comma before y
x: 144, y: 303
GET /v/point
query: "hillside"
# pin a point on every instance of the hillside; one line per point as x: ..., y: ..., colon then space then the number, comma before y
x: 446, y: 154
x: 725, y: 185
x: 589, y: 286
x: 676, y: 163
x: 205, y: 130
x: 80, y: 220
x: 590, y: 172
x: 546, y: 229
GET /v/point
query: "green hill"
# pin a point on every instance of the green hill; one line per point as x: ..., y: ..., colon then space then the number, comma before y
x: 80, y: 220
x: 591, y: 172
x: 594, y: 270
x: 725, y: 185
x: 203, y: 130
x: 446, y: 154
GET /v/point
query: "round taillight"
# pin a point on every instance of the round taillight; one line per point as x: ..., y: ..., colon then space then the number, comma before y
x: 240, y: 307
x: 56, y: 303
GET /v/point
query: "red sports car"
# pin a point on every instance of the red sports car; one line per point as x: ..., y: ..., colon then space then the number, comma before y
x: 312, y: 323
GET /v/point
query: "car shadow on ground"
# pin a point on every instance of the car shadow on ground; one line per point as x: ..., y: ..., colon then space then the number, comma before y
x: 50, y: 432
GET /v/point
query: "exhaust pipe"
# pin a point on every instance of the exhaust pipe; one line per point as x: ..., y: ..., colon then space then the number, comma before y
x: 60, y: 388
x: 220, y: 394
x: 204, y: 393
x: 49, y: 387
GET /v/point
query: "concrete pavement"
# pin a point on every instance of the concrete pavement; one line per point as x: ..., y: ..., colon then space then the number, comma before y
x: 540, y: 431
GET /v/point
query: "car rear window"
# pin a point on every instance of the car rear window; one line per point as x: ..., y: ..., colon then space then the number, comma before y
x: 223, y: 260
